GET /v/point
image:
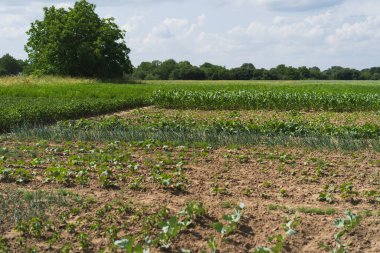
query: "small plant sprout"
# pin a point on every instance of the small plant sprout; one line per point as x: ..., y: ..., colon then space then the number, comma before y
x: 193, y: 210
x: 128, y: 245
x: 346, y: 225
x: 212, y: 245
x: 279, y: 240
x: 169, y: 230
x: 232, y: 221
x: 290, y: 225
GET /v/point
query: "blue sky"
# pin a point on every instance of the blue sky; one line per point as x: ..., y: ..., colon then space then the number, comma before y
x: 227, y: 32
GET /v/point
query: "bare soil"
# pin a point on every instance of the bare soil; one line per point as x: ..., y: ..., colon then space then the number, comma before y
x: 273, y: 183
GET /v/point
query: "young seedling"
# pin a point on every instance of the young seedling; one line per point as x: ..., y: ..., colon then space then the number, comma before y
x: 169, y: 230
x: 193, y: 210
x: 346, y: 225
x: 129, y: 245
x: 232, y: 221
x: 279, y: 240
x: 84, y: 242
x: 347, y: 191
x: 326, y: 197
x: 212, y: 245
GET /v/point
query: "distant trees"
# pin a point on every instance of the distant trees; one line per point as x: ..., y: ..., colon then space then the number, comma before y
x: 215, y: 72
x: 170, y: 69
x: 77, y: 42
x: 10, y: 66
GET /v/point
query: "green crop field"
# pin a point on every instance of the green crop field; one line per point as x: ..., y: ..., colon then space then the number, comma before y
x: 35, y: 101
x: 189, y: 166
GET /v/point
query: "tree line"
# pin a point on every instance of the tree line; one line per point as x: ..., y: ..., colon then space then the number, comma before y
x: 184, y: 70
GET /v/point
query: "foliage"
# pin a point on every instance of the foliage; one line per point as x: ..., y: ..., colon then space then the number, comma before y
x: 77, y: 42
x: 346, y: 225
x: 128, y: 245
x: 232, y: 221
x: 279, y: 240
x: 170, y: 69
x: 10, y: 66
x: 274, y: 100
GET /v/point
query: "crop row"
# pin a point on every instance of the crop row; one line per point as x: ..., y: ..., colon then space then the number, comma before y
x: 21, y: 111
x: 273, y: 100
x: 183, y: 131
x: 160, y: 230
x: 295, y: 128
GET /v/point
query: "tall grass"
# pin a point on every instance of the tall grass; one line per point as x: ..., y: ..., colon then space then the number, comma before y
x: 44, y: 80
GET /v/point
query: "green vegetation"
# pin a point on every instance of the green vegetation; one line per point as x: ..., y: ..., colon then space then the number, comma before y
x: 40, y: 104
x: 168, y: 180
x: 102, y: 208
x: 172, y: 70
x: 316, y: 129
x: 10, y: 66
x: 77, y: 42
x: 345, y: 225
x: 271, y: 100
x: 33, y: 102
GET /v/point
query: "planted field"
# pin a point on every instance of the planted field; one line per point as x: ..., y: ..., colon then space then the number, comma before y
x: 348, y: 131
x: 28, y: 101
x: 301, y: 177
x: 178, y: 196
x: 272, y: 100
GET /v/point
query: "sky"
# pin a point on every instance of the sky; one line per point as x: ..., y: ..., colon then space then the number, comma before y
x: 267, y: 33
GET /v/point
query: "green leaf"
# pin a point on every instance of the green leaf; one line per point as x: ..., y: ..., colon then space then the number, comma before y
x: 219, y: 227
x: 126, y: 244
x: 262, y: 250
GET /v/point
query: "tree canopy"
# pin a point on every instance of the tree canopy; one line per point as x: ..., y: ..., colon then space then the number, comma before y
x: 170, y: 69
x: 10, y: 66
x: 77, y: 42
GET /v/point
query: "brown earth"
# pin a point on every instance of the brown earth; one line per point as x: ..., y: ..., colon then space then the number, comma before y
x: 273, y: 183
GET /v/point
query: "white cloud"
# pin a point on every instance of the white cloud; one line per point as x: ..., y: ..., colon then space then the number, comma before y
x: 173, y: 29
x: 133, y: 23
x: 298, y: 5
x: 351, y: 35
x: 284, y: 5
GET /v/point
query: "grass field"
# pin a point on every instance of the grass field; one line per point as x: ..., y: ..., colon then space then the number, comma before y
x: 189, y: 166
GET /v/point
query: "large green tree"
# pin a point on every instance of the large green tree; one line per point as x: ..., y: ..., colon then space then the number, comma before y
x: 77, y: 42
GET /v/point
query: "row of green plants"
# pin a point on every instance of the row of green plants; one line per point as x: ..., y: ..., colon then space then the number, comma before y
x: 291, y: 127
x: 35, y: 223
x: 214, y: 131
x: 21, y: 111
x: 272, y: 99
x: 165, y: 167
